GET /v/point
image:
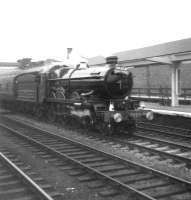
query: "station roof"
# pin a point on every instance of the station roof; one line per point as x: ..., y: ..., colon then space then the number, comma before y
x: 179, y: 49
x: 169, y: 48
x: 9, y: 64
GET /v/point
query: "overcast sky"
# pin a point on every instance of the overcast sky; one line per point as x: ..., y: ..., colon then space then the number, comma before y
x: 43, y: 29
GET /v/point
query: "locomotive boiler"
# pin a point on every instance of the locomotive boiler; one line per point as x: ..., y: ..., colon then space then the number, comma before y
x: 96, y: 96
x: 107, y: 82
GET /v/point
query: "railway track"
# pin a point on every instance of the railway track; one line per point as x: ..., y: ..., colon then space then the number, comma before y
x: 15, y: 184
x: 112, y: 174
x: 154, y: 147
x: 162, y: 148
x: 168, y: 140
x: 180, y: 134
x: 165, y: 127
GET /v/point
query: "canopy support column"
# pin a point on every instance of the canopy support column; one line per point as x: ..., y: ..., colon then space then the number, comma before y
x: 174, y: 84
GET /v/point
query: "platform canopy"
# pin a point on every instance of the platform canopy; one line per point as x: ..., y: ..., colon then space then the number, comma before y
x: 165, y: 53
x: 171, y: 53
x: 8, y: 64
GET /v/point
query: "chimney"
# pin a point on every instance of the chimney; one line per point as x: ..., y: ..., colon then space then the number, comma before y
x: 112, y: 61
x: 69, y: 50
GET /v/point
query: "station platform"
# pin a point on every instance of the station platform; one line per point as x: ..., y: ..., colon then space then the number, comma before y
x: 182, y: 110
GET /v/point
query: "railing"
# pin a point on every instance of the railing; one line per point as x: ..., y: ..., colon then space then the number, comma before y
x: 185, y: 93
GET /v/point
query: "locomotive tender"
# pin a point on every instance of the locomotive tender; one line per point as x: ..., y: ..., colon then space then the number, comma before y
x: 96, y: 96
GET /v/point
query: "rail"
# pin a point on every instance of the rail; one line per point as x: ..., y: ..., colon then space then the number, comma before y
x: 38, y: 192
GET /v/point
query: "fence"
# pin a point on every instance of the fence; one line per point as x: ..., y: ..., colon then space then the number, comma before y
x: 184, y: 93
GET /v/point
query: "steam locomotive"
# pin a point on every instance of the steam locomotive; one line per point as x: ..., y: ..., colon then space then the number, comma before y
x: 96, y: 96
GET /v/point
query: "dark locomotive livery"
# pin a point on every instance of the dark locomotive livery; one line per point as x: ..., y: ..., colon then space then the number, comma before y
x: 96, y: 96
